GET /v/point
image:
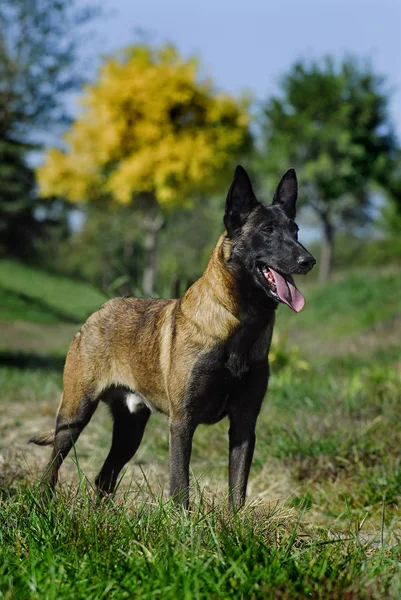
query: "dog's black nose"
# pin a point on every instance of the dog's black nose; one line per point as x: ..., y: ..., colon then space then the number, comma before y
x: 306, y: 262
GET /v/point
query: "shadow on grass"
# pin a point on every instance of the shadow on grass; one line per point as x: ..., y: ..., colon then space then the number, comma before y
x: 43, y: 306
x: 28, y: 360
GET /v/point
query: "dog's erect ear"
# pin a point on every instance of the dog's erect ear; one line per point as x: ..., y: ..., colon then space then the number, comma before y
x: 287, y: 193
x: 240, y: 202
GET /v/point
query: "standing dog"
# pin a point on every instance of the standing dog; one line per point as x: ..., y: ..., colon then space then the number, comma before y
x: 197, y: 359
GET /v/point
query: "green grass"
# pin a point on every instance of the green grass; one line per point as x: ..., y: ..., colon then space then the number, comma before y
x: 76, y: 549
x: 29, y: 294
x: 332, y: 436
x: 349, y: 305
x: 21, y: 386
x: 325, y: 484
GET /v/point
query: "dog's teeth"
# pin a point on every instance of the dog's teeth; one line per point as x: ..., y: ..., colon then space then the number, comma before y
x: 269, y: 277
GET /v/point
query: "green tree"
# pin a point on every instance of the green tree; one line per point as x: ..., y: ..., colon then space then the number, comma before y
x: 391, y: 218
x: 39, y: 42
x: 152, y: 134
x: 108, y: 250
x: 187, y: 242
x: 331, y: 123
x: 17, y: 184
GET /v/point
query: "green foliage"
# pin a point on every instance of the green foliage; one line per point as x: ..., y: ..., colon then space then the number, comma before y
x: 38, y: 52
x: 331, y: 123
x: 108, y: 251
x: 186, y: 243
x: 17, y: 223
x: 281, y: 356
x: 391, y: 214
x: 40, y: 41
x: 356, y: 252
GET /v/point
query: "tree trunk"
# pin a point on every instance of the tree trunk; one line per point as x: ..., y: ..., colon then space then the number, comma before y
x: 327, y: 247
x: 151, y: 262
x: 152, y: 228
x: 175, y: 286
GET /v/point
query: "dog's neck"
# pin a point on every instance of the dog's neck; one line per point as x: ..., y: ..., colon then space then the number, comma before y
x: 215, y: 300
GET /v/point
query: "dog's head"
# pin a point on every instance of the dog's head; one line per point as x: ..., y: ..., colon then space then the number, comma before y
x: 264, y: 239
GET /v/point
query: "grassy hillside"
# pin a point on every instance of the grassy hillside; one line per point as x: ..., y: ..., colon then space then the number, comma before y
x: 40, y: 312
x: 349, y: 305
x: 31, y: 295
x: 325, y: 486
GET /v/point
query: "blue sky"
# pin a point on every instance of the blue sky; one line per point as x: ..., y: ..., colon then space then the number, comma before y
x: 248, y: 45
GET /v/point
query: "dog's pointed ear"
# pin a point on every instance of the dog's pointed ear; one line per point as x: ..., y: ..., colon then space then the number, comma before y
x: 240, y: 202
x: 287, y: 193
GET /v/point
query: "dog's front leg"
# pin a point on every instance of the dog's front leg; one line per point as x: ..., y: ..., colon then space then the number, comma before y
x: 242, y: 444
x: 245, y: 408
x: 181, y: 434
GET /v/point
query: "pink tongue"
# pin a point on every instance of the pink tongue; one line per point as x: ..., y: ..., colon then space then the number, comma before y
x: 288, y: 291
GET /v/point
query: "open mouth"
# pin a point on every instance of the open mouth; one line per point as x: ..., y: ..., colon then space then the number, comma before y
x: 283, y: 288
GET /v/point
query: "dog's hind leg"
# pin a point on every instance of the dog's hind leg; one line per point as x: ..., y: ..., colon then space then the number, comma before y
x: 128, y: 429
x: 73, y: 415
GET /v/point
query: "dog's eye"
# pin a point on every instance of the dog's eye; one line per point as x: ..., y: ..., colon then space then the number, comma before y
x: 267, y: 229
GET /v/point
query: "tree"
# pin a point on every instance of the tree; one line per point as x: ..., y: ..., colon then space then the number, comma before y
x: 187, y: 242
x: 17, y: 182
x: 151, y: 133
x: 39, y: 44
x: 391, y: 215
x: 331, y: 123
x: 107, y: 250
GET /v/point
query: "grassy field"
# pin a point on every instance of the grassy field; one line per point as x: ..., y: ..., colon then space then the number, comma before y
x: 323, y: 514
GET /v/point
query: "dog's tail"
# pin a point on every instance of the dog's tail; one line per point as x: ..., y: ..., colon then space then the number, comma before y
x: 43, y: 439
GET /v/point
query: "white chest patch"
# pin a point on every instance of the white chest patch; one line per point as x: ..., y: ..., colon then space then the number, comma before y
x: 135, y: 403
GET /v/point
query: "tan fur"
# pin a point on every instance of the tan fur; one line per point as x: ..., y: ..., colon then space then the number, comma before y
x: 46, y: 438
x: 151, y: 348
x: 197, y: 359
x: 148, y: 345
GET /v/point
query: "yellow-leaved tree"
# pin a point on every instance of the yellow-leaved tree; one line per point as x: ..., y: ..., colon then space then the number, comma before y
x: 151, y: 132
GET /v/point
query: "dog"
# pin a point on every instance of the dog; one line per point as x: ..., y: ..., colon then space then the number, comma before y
x: 196, y: 359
